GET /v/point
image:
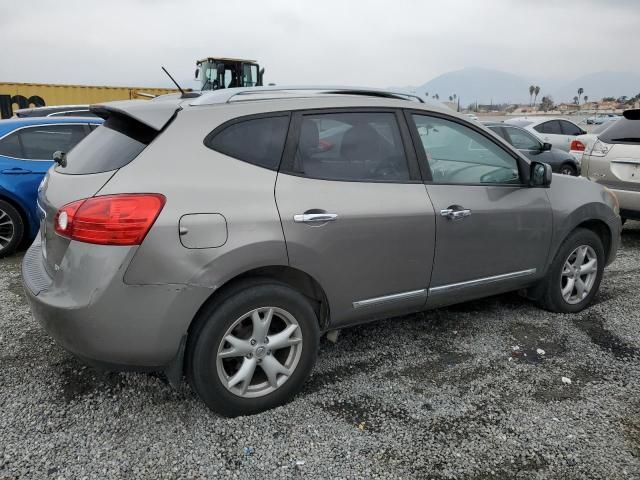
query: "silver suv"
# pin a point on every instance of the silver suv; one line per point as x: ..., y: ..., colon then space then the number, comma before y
x: 221, y: 235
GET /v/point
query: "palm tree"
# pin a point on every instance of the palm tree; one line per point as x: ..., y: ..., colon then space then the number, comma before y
x: 455, y: 96
x: 576, y: 100
x: 531, y: 90
x: 536, y: 91
x: 450, y: 98
x: 436, y: 96
x: 426, y: 94
x: 585, y: 99
x: 580, y: 92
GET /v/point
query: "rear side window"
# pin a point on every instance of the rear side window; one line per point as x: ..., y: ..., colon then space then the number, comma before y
x: 258, y: 141
x: 352, y: 147
x: 109, y: 147
x: 569, y: 128
x: 552, y: 127
x: 622, y: 131
x: 41, y: 141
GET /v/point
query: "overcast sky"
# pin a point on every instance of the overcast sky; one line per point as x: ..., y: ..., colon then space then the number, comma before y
x: 375, y: 43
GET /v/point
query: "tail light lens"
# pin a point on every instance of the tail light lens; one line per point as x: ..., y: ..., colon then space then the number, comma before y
x: 600, y: 149
x: 110, y: 219
x: 577, y: 145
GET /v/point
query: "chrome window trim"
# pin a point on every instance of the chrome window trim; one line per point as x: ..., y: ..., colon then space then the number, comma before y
x: 369, y: 302
x: 62, y: 113
x: 480, y: 281
x: 36, y: 126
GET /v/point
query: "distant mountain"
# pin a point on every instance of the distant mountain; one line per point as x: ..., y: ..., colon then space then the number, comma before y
x: 478, y: 84
x: 599, y: 85
x: 494, y: 86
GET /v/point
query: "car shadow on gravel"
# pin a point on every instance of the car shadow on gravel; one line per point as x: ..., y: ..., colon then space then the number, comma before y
x: 592, y: 324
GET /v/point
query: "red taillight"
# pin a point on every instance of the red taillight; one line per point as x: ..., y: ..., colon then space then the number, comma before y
x: 577, y: 145
x: 110, y: 219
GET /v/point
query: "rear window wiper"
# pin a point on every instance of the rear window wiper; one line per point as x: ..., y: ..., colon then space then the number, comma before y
x: 626, y: 139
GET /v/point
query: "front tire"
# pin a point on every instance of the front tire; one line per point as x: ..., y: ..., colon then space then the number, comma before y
x: 575, y: 274
x: 253, y: 350
x: 11, y: 229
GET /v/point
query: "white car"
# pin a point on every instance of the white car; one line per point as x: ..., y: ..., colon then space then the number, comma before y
x: 583, y: 143
x: 556, y: 131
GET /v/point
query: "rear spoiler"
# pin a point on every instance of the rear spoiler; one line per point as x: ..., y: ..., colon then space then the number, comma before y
x: 155, y: 115
x: 632, y: 114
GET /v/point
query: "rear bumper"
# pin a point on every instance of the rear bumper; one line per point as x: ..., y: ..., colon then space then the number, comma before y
x: 92, y: 313
x: 629, y: 203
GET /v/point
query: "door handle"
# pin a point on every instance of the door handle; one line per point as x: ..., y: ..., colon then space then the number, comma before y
x: 455, y: 214
x: 315, y: 217
x: 16, y: 171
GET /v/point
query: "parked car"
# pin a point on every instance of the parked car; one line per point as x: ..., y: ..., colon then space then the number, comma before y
x: 217, y: 236
x: 614, y: 161
x: 582, y: 143
x: 556, y: 131
x: 536, y: 150
x: 26, y: 149
x: 56, y: 111
x: 602, y: 118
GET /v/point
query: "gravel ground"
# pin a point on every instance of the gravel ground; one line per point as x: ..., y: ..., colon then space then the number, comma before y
x: 473, y: 391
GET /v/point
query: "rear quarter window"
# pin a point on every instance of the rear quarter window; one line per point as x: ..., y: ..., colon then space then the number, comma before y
x: 259, y: 141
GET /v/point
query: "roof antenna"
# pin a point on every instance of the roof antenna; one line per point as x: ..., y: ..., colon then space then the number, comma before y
x: 184, y: 94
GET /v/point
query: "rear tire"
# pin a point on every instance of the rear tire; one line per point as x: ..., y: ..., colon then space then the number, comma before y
x: 574, y: 276
x: 230, y: 340
x: 568, y: 169
x: 11, y: 229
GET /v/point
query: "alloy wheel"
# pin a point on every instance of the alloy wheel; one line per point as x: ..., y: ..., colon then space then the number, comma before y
x: 579, y: 274
x: 7, y: 229
x: 259, y: 352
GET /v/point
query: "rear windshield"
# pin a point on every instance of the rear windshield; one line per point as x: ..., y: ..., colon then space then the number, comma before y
x: 622, y: 131
x: 109, y: 147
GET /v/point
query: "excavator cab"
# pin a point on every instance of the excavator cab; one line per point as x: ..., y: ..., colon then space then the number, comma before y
x: 217, y: 73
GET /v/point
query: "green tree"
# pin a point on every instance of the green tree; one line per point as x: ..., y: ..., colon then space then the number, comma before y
x: 546, y: 104
x: 536, y: 91
x: 576, y: 100
x: 531, y: 90
x: 585, y: 99
x: 580, y: 92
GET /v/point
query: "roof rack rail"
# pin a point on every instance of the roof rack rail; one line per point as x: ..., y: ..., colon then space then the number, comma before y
x: 229, y: 94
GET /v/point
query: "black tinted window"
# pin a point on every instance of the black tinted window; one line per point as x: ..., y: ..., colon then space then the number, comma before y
x: 552, y: 127
x: 351, y: 146
x: 259, y: 141
x: 109, y: 147
x: 10, y: 146
x: 622, y: 131
x: 40, y: 143
x: 569, y: 128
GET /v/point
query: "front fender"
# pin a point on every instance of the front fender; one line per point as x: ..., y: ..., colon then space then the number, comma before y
x: 575, y: 201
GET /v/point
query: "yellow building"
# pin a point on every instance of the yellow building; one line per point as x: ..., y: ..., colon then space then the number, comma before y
x: 14, y: 96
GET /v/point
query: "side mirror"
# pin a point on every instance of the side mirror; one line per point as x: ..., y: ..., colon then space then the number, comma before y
x: 540, y: 175
x: 60, y: 158
x: 546, y: 147
x: 197, y: 72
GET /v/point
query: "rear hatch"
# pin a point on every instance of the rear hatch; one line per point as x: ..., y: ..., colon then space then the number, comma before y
x: 614, y: 159
x: 126, y: 132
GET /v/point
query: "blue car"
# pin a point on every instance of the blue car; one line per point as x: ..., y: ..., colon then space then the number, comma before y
x: 26, y: 150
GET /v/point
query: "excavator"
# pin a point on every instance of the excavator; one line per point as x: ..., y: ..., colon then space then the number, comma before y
x: 215, y: 73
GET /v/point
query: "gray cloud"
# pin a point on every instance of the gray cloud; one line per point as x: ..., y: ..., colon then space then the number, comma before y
x: 373, y: 42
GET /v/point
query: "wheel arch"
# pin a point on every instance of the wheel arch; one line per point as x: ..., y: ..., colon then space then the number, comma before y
x: 26, y: 219
x: 293, y: 277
